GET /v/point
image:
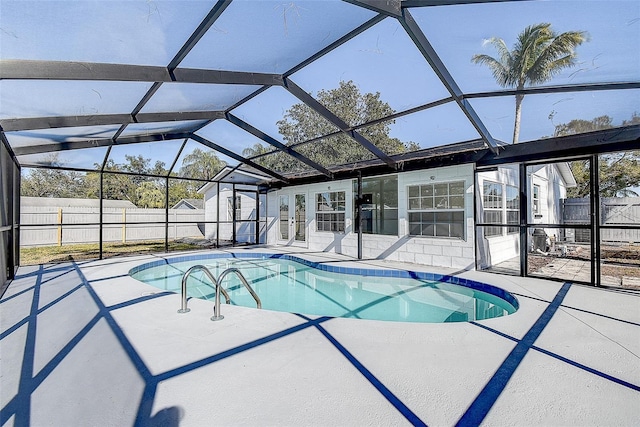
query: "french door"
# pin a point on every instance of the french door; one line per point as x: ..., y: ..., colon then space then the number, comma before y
x: 292, y: 224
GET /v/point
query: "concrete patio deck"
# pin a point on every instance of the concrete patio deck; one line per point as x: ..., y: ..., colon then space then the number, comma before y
x: 84, y: 344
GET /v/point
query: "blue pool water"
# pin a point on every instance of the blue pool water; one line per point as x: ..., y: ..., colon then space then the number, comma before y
x: 291, y: 284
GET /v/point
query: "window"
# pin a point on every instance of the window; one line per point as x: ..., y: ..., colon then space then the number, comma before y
x: 512, y: 207
x: 436, y: 210
x: 501, y: 202
x: 536, y: 199
x: 379, y: 205
x: 230, y: 213
x: 330, y: 209
x: 492, y: 212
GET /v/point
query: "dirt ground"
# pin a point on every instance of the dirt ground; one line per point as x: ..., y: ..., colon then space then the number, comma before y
x: 617, y: 261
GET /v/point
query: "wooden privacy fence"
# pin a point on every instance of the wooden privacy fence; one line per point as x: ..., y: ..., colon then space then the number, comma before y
x: 614, y: 211
x: 58, y: 226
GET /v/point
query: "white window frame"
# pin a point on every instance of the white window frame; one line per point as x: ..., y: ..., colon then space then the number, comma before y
x: 330, y: 212
x: 500, y: 206
x: 436, y: 211
x: 513, y: 208
x: 535, y: 199
x: 492, y: 205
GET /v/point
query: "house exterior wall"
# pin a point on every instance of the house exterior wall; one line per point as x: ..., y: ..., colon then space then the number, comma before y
x: 182, y: 205
x: 445, y: 252
x: 494, y: 249
x: 552, y: 190
x: 454, y: 252
x: 245, y: 229
x: 552, y: 193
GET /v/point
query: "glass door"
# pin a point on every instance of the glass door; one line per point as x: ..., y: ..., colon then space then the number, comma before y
x: 300, y: 219
x: 292, y: 221
x: 283, y: 223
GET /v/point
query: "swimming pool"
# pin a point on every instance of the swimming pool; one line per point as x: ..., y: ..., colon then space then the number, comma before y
x: 293, y: 284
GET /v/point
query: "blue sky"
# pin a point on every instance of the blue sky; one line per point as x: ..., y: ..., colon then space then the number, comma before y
x: 251, y: 34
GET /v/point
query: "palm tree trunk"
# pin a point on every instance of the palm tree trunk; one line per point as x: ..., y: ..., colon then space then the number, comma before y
x: 516, y: 125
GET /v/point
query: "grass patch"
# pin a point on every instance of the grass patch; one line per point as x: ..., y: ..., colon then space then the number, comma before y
x: 86, y: 251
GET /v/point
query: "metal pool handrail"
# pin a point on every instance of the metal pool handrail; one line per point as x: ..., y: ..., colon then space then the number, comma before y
x: 216, y: 306
x: 183, y: 307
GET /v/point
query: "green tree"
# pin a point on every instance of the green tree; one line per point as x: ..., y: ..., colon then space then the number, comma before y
x: 619, y: 172
x: 277, y: 161
x: 41, y: 182
x: 143, y: 184
x: 538, y: 55
x: 150, y: 195
x: 201, y: 165
x: 582, y: 126
x: 120, y: 186
x: 53, y: 183
x: 142, y: 166
x: 301, y: 123
x: 181, y: 189
x: 133, y: 184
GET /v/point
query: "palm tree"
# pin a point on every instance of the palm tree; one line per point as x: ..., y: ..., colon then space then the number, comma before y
x: 538, y: 55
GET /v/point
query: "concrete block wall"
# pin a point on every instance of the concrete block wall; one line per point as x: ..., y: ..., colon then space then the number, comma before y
x: 445, y: 252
